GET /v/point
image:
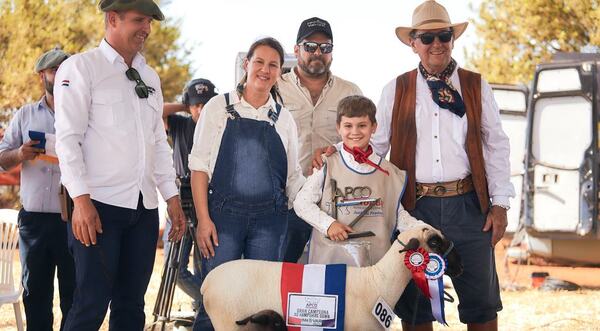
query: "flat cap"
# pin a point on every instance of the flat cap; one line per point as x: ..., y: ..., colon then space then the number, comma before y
x: 146, y: 7
x: 50, y: 59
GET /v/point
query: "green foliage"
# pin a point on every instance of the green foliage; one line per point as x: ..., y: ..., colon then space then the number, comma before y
x: 28, y: 28
x: 515, y: 36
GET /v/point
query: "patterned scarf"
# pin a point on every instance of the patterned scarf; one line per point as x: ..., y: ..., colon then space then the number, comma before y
x: 361, y: 157
x: 442, y: 91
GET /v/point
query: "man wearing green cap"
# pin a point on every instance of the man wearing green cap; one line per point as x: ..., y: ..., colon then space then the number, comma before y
x: 42, y: 233
x: 114, y: 154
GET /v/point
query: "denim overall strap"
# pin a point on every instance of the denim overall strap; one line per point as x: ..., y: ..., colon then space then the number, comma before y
x: 274, y: 115
x: 229, y: 107
x: 251, y: 169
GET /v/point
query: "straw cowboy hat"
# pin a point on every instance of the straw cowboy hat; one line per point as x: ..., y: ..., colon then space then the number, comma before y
x: 430, y: 15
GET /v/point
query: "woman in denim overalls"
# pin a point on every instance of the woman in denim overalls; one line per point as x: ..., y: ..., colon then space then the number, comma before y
x: 244, y: 168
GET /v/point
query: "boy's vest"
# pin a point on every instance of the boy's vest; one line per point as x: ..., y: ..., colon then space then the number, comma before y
x: 381, y: 219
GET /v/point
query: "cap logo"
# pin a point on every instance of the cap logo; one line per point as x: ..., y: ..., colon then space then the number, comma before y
x: 316, y: 23
x: 201, y: 88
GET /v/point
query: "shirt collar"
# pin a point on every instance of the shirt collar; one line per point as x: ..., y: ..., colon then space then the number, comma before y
x: 112, y: 55
x: 236, y: 98
x: 330, y: 77
x: 452, y: 77
x: 43, y: 105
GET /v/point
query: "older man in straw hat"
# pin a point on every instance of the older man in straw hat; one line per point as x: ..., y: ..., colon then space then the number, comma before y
x: 444, y: 129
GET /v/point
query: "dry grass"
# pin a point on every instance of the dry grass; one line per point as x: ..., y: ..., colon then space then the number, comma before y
x: 523, y: 310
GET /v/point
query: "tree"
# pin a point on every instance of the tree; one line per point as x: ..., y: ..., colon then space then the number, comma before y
x: 30, y: 27
x: 515, y: 36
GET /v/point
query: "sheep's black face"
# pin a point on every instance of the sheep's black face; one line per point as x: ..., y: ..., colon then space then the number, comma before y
x: 265, y: 320
x: 443, y: 246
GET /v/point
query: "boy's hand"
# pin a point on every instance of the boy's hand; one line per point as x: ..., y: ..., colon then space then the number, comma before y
x: 338, y: 231
x: 317, y: 161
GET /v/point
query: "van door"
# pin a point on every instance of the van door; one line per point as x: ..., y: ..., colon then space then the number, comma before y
x: 512, y: 102
x: 561, y: 193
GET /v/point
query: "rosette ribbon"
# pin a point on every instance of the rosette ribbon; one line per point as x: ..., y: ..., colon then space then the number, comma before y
x: 416, y: 261
x: 434, y: 273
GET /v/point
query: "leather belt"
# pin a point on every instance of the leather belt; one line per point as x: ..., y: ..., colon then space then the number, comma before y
x: 445, y: 189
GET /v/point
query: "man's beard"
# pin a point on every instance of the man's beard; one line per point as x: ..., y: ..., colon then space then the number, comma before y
x: 315, y: 67
x: 49, y: 86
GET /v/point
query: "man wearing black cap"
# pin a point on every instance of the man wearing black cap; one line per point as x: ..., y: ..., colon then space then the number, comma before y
x: 311, y: 92
x: 42, y: 233
x: 114, y: 154
x: 181, y: 128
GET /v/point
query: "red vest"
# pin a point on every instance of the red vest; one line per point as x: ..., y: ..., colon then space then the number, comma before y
x: 404, y: 133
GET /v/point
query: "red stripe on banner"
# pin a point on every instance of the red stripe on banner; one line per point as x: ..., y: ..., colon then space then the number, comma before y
x: 291, y: 281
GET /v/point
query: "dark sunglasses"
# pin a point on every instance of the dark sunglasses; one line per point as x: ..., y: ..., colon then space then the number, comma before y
x: 141, y: 89
x: 428, y: 37
x: 311, y: 47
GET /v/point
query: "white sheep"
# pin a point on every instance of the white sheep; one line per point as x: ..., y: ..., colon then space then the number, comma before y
x: 241, y: 288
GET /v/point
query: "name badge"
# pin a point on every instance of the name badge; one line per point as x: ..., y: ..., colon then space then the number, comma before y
x: 383, y: 313
x: 312, y: 310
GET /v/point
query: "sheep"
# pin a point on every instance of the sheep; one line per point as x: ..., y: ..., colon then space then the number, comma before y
x: 240, y: 288
x: 265, y: 320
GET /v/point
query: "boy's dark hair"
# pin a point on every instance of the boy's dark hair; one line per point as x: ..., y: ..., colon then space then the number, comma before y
x: 356, y: 106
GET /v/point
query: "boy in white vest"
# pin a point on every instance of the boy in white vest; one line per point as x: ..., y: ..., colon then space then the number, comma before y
x: 357, y: 185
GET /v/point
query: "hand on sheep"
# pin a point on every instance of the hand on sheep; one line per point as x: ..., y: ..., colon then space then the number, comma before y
x: 317, y: 161
x: 206, y: 236
x: 496, y: 220
x: 338, y: 231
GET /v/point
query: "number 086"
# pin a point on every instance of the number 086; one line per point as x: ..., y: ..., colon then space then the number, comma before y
x: 384, y: 316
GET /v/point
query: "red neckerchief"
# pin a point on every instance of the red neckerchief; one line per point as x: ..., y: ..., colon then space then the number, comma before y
x: 361, y: 157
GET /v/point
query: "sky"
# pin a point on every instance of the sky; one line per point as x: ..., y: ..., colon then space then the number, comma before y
x: 366, y: 49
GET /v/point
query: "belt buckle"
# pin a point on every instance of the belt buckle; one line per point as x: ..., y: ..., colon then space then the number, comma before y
x: 439, y: 190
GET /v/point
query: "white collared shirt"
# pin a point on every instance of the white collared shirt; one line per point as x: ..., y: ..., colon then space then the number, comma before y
x: 441, y: 136
x: 211, y: 125
x: 316, y: 123
x: 306, y: 204
x: 111, y: 144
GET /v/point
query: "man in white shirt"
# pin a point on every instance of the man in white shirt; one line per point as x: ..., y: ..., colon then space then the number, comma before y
x: 42, y: 233
x: 444, y: 129
x: 113, y: 155
x: 311, y: 93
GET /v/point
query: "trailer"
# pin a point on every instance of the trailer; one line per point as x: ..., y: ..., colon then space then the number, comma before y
x: 560, y: 211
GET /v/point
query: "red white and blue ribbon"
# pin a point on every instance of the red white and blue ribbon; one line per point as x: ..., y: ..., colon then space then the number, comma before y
x: 416, y: 261
x: 434, y: 274
x: 314, y: 279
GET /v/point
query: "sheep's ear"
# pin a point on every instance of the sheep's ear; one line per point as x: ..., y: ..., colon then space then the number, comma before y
x: 244, y: 321
x: 261, y: 319
x: 412, y: 245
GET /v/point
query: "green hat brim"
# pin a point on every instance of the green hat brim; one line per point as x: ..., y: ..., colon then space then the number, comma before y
x: 146, y: 7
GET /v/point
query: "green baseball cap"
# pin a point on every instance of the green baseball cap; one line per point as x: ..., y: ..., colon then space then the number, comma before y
x: 146, y: 7
x: 50, y: 59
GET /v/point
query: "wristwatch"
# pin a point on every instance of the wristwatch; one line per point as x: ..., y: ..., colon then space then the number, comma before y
x: 505, y: 207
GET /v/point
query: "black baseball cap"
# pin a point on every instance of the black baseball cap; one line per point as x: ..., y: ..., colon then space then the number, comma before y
x: 313, y: 25
x: 198, y: 91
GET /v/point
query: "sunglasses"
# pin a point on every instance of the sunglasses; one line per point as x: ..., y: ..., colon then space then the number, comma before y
x: 428, y: 37
x: 141, y: 89
x: 311, y: 47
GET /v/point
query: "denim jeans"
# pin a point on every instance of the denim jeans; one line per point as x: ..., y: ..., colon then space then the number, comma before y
x: 43, y: 249
x: 116, y: 270
x: 298, y: 234
x: 256, y: 237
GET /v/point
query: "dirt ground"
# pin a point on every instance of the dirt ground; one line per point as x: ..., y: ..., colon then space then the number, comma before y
x: 524, y: 308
